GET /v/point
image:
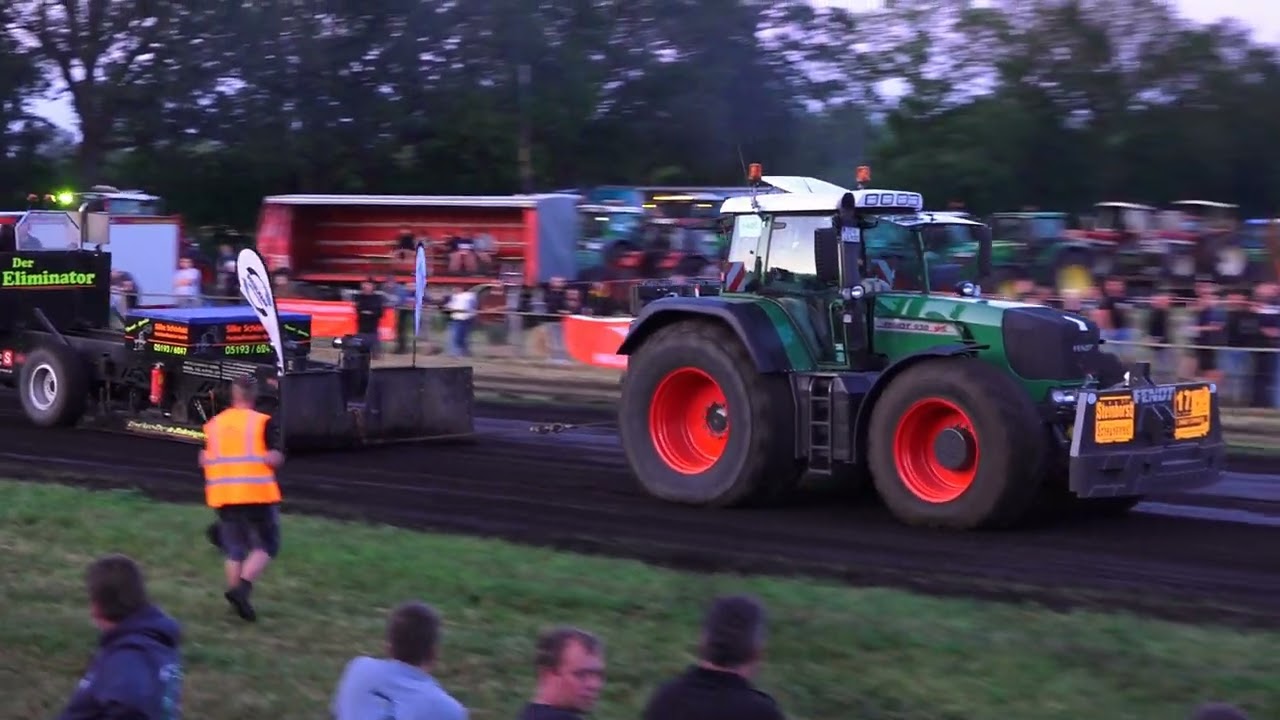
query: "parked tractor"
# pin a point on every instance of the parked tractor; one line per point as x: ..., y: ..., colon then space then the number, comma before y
x: 1205, y: 236
x: 851, y: 339
x: 1262, y: 247
x: 1118, y: 239
x: 1035, y: 246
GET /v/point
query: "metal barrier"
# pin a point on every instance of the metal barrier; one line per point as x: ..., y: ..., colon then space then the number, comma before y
x: 1249, y: 377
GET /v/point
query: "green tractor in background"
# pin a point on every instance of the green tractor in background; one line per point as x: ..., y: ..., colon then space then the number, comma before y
x: 1035, y: 245
x: 850, y: 339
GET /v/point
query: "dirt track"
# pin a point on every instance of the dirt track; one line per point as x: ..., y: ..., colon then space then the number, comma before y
x: 581, y: 497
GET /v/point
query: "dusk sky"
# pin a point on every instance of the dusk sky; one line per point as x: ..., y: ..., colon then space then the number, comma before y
x: 1263, y: 17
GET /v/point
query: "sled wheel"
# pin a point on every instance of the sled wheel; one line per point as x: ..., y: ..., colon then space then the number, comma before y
x: 53, y: 386
x: 949, y: 446
x: 700, y: 426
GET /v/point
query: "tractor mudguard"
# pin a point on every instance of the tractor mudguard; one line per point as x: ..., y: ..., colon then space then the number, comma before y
x: 863, y: 418
x: 750, y: 321
x: 318, y: 412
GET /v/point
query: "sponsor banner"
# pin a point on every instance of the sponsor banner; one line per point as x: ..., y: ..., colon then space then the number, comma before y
x: 333, y: 318
x: 595, y: 340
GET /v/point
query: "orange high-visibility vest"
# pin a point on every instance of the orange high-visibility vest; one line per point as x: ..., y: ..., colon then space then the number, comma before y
x: 235, y: 466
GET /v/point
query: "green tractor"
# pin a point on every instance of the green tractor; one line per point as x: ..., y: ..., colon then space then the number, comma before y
x: 851, y: 339
x: 1036, y: 246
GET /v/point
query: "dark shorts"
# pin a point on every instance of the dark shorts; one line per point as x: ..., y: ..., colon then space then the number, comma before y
x: 245, y: 528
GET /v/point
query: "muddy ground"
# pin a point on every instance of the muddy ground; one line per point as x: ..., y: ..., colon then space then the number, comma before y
x: 577, y: 494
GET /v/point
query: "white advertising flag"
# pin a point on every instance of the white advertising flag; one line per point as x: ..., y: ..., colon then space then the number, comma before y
x: 419, y: 287
x: 255, y: 286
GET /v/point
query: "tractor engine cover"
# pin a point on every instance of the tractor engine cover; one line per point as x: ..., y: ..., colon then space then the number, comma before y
x: 1047, y: 344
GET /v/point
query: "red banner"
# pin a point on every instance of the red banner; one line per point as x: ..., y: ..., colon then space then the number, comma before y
x: 595, y: 341
x: 332, y: 318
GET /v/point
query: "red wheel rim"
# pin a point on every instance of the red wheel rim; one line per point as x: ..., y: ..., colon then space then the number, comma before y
x: 689, y: 421
x: 915, y: 455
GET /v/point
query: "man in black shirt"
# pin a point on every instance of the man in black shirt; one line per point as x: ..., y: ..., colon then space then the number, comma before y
x: 370, y: 305
x: 570, y: 665
x: 719, y: 686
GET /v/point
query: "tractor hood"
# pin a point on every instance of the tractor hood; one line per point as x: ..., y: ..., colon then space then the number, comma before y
x: 1040, y: 343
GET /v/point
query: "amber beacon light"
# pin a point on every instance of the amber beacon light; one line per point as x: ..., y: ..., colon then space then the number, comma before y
x: 755, y: 171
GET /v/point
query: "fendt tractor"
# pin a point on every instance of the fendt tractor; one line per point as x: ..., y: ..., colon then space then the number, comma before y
x: 851, y: 339
x: 169, y: 371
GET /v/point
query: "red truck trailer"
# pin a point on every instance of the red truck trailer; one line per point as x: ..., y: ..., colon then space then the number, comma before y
x: 329, y: 243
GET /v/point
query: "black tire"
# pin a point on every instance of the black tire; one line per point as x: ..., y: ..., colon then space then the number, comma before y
x: 757, y: 463
x: 1009, y: 464
x: 53, y: 386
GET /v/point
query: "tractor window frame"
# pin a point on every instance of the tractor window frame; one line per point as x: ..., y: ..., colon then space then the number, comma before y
x: 749, y: 230
x: 797, y: 230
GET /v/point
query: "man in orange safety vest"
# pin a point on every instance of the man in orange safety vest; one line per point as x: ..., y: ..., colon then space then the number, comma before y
x: 239, y: 459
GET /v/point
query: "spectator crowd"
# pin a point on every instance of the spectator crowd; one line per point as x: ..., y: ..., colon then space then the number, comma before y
x: 1226, y: 335
x: 138, y: 671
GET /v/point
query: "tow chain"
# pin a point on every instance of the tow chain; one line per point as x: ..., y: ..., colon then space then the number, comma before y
x: 555, y: 428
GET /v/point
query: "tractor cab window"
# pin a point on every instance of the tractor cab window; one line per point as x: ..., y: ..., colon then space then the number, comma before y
x: 133, y: 206
x: 1009, y: 228
x: 790, y: 265
x: 1048, y: 228
x: 952, y: 252
x: 744, y: 240
x: 893, y: 255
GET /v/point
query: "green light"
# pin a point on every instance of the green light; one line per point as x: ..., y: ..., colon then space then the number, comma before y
x: 66, y: 198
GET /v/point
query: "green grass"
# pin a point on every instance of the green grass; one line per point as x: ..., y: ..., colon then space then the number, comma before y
x: 835, y: 652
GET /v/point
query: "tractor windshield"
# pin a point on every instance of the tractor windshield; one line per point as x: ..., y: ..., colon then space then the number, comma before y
x: 601, y: 226
x: 1048, y: 228
x: 925, y: 253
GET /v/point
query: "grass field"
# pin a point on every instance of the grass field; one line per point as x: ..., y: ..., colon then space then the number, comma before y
x: 835, y: 652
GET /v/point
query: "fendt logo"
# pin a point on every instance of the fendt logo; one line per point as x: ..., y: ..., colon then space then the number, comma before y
x: 1149, y: 395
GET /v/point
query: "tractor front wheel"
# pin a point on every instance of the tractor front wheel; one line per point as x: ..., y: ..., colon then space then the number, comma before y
x: 951, y: 445
x: 700, y: 426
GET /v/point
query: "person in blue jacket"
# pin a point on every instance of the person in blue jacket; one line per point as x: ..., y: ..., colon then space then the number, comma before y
x: 136, y: 673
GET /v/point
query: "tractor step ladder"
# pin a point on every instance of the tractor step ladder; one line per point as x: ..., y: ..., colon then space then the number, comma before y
x: 820, y: 425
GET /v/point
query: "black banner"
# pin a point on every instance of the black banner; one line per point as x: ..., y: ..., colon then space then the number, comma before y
x: 72, y: 288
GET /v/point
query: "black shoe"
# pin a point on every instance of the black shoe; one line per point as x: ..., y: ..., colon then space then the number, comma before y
x: 239, y: 600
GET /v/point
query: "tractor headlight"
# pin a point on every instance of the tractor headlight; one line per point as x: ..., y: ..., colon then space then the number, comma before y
x: 855, y: 293
x: 1064, y: 397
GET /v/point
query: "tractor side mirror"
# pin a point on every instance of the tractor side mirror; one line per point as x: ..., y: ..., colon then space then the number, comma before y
x: 826, y: 256
x: 984, y: 252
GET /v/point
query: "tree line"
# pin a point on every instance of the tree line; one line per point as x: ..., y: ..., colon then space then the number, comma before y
x: 1055, y: 104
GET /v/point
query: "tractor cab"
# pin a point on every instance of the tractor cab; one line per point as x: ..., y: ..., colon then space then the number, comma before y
x: 1201, y: 217
x: 1117, y: 222
x: 827, y: 255
x: 607, y: 230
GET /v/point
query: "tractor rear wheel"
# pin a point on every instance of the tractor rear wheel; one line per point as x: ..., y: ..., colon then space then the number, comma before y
x: 950, y: 445
x: 700, y: 426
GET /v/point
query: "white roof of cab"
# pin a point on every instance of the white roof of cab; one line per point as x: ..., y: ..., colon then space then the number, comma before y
x: 1205, y: 203
x: 496, y: 201
x: 806, y: 194
x: 800, y: 185
x: 1127, y: 205
x: 929, y: 218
